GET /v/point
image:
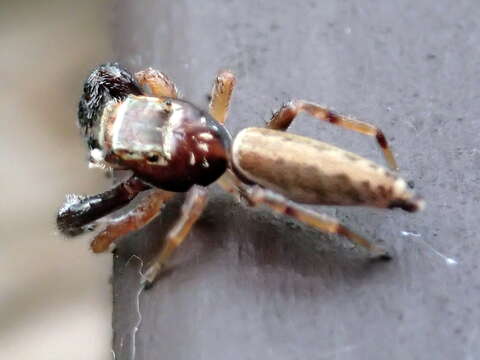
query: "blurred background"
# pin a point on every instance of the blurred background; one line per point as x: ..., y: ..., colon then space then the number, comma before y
x: 55, y: 296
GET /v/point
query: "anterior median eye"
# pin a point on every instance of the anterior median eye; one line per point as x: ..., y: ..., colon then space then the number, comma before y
x: 152, y: 158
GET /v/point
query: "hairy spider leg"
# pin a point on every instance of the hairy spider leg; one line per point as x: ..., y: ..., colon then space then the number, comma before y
x: 192, y: 208
x: 141, y: 215
x: 282, y: 119
x: 159, y: 83
x: 79, y: 211
x: 220, y: 97
x: 256, y: 196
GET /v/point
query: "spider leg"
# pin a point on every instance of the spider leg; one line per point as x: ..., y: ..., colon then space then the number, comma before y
x: 195, y: 202
x: 159, y: 83
x: 221, y: 94
x: 279, y: 204
x: 282, y: 119
x: 230, y: 183
x: 138, y: 217
x: 256, y: 196
x: 79, y: 211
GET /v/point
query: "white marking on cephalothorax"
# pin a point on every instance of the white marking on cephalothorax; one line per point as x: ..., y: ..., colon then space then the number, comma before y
x: 205, y: 163
x: 150, y: 104
x: 203, y: 147
x: 101, y: 130
x: 167, y: 130
x: 176, y: 115
x: 117, y: 125
x: 146, y: 148
x: 107, y: 112
x: 203, y: 120
x: 192, y: 158
x: 168, y: 143
x: 205, y: 136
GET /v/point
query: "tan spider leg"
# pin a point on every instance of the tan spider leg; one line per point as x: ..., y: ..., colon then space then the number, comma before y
x: 282, y: 119
x: 230, y: 183
x: 145, y: 212
x: 256, y: 196
x: 195, y: 202
x: 278, y: 203
x: 159, y: 83
x: 221, y: 94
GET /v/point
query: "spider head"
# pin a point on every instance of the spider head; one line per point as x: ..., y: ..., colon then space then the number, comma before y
x: 108, y: 82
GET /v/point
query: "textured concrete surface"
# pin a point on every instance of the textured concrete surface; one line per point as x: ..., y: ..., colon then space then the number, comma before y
x: 251, y: 285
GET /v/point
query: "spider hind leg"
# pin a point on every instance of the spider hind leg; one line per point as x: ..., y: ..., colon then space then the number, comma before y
x: 283, y: 118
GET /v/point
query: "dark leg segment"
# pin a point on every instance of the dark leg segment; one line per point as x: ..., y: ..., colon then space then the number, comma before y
x: 195, y: 202
x: 282, y: 119
x: 78, y: 211
x: 221, y: 94
x: 159, y: 83
x: 138, y: 217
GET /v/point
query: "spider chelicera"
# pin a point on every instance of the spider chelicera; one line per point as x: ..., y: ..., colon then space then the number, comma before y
x: 172, y: 146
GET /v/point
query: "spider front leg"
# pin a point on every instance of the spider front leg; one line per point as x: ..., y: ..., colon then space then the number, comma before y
x: 135, y: 219
x: 159, y: 83
x: 282, y: 119
x: 79, y: 211
x: 195, y: 202
x: 221, y: 94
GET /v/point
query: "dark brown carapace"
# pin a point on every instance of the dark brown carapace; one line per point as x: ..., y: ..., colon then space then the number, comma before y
x: 169, y: 143
x: 170, y: 146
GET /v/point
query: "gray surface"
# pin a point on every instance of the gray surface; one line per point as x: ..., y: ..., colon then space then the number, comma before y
x: 250, y: 285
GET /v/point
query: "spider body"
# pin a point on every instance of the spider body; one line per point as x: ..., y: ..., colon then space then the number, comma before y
x: 314, y: 172
x: 170, y: 146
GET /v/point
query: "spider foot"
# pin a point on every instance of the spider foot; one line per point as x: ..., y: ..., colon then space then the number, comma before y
x: 151, y: 274
x: 379, y: 253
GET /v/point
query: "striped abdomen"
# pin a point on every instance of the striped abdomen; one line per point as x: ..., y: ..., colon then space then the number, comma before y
x: 309, y: 171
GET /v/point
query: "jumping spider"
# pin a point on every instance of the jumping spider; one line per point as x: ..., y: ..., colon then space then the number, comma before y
x: 171, y: 146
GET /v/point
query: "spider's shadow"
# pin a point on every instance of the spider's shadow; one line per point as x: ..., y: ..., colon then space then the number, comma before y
x: 242, y: 236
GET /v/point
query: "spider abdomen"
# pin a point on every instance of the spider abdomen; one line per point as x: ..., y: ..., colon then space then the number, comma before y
x: 169, y: 143
x: 309, y: 171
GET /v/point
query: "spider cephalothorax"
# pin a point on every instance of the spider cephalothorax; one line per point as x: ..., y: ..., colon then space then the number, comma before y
x: 170, y: 145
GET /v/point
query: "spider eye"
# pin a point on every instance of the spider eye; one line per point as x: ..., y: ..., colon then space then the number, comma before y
x: 152, y: 158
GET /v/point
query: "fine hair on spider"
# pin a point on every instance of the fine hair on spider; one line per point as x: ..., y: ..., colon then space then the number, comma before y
x: 170, y: 145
